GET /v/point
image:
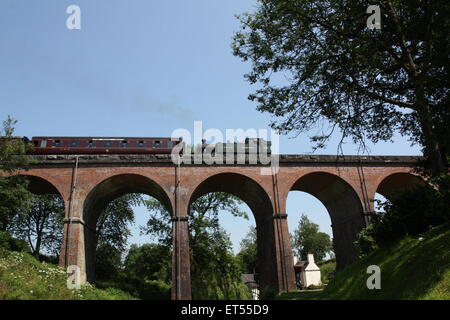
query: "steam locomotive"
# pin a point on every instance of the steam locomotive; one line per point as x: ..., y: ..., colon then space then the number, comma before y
x: 140, y: 145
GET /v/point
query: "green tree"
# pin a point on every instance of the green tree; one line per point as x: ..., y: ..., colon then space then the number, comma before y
x: 108, y: 265
x: 317, y: 64
x: 112, y: 233
x: 112, y: 226
x: 215, y: 271
x: 41, y: 224
x: 308, y: 239
x: 147, y: 271
x: 248, y: 254
x: 14, y: 195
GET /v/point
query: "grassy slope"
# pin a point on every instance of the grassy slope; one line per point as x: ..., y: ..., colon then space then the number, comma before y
x: 410, y: 269
x: 22, y: 277
x: 325, y: 268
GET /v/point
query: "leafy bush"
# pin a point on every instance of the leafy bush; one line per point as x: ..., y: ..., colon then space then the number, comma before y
x: 408, y: 213
x: 327, y: 267
x: 7, y: 242
x: 154, y: 290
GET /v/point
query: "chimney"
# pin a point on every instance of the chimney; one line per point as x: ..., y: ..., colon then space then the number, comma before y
x: 310, y: 258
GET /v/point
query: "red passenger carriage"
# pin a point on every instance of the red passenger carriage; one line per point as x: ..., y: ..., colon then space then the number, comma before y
x: 102, y: 145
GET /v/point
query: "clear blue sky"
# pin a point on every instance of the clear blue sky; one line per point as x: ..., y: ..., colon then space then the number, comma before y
x: 137, y: 68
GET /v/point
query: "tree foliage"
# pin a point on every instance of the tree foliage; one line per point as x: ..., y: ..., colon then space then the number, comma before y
x: 112, y: 226
x: 112, y: 233
x: 13, y: 188
x: 308, y: 239
x: 215, y: 271
x: 248, y: 254
x: 317, y: 64
x: 41, y: 225
x: 147, y: 271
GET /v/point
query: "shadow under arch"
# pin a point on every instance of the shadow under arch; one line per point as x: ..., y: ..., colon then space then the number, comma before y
x: 398, y: 182
x: 38, y: 185
x: 249, y: 191
x: 344, y: 207
x: 105, y: 192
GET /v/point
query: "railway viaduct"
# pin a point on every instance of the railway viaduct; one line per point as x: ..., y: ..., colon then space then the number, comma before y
x: 345, y: 185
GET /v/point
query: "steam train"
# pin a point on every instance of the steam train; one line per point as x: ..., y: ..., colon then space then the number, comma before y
x: 140, y: 145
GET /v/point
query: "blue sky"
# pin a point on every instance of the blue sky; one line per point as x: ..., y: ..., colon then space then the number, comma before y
x: 138, y: 68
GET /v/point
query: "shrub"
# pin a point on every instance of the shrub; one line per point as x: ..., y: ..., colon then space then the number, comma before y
x: 408, y: 213
x: 7, y: 242
x: 154, y: 290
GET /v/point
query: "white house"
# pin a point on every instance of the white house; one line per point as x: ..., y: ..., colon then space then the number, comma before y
x: 307, y: 272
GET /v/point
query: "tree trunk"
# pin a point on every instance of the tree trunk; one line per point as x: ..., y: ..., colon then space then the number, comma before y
x: 431, y: 142
x: 38, y: 247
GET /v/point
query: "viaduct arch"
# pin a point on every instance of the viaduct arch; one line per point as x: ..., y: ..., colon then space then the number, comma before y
x: 345, y: 185
x: 101, y: 195
x: 344, y: 207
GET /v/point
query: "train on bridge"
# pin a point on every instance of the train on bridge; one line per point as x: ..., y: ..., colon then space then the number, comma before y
x: 133, y: 145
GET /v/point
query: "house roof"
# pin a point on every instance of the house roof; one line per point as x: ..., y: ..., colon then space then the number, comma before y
x: 249, y: 280
x: 304, y: 265
x: 300, y: 265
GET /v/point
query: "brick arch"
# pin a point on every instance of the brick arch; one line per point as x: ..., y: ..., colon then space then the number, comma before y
x: 102, y: 194
x: 239, y: 185
x: 40, y: 185
x: 260, y: 203
x: 396, y: 182
x: 344, y: 207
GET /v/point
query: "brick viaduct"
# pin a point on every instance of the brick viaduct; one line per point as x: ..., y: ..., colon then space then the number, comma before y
x: 345, y: 185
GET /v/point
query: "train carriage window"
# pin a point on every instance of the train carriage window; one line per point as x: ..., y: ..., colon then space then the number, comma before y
x: 35, y: 143
x: 57, y: 143
x: 107, y: 144
x: 91, y: 144
x: 156, y: 144
x: 169, y: 144
x: 124, y: 143
x: 73, y: 144
x: 141, y: 143
x: 43, y: 143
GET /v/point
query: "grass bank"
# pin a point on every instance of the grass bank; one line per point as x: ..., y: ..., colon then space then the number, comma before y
x: 411, y: 269
x: 23, y: 277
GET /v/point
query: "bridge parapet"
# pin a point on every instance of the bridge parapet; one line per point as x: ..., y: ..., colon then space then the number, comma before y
x: 284, y: 159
